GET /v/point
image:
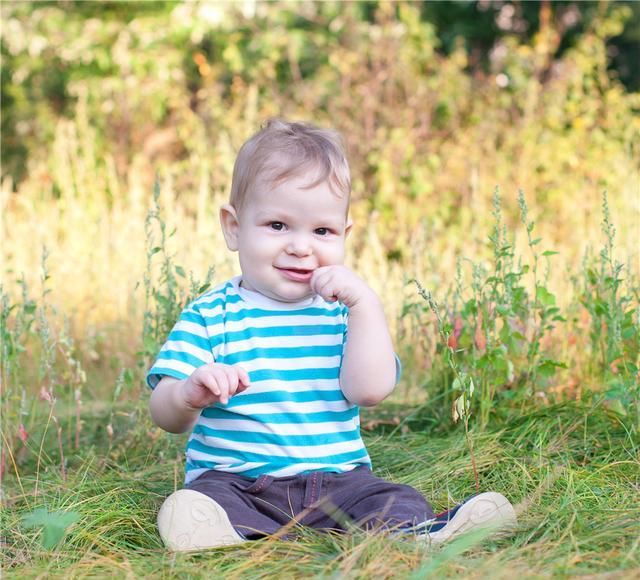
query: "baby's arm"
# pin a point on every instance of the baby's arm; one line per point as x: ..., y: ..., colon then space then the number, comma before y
x: 175, y: 405
x: 368, y: 370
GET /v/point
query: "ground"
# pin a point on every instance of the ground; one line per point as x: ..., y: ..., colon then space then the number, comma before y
x: 570, y: 470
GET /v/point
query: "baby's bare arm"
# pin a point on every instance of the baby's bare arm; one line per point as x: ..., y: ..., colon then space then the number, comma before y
x: 175, y: 405
x: 168, y: 408
x: 368, y: 370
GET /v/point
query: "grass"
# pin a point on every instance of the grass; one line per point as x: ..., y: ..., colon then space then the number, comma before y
x: 571, y: 470
x: 85, y: 470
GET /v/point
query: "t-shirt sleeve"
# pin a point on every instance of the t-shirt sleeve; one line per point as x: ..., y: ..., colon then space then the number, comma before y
x: 398, y: 367
x: 190, y: 345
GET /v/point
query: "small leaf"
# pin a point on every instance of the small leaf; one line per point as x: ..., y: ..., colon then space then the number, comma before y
x: 549, y: 253
x: 54, y: 524
x: 547, y: 367
x: 180, y: 271
x: 163, y: 301
x: 545, y: 297
x: 601, y: 307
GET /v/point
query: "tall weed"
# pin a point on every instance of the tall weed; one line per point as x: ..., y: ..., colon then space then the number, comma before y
x: 493, y: 337
x: 503, y: 332
x: 167, y: 289
x: 611, y: 296
x: 42, y: 381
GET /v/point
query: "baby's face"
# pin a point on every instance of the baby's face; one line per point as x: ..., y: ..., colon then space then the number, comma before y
x: 285, y: 232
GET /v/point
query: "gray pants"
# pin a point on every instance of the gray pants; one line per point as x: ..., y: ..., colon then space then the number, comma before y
x: 321, y: 500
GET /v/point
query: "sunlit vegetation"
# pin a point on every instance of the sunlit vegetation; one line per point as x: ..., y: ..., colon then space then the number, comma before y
x: 496, y: 200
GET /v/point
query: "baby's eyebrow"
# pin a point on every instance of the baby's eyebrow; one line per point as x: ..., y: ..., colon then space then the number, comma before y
x: 272, y: 215
x: 329, y: 223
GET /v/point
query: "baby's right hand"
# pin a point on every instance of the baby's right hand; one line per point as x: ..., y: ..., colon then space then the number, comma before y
x: 212, y: 383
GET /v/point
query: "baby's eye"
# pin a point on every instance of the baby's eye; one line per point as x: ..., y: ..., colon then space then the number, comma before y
x: 277, y: 226
x: 322, y: 231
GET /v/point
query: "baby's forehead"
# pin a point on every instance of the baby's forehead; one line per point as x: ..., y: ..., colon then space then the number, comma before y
x: 290, y: 172
x: 271, y: 181
x: 295, y: 193
x: 279, y: 167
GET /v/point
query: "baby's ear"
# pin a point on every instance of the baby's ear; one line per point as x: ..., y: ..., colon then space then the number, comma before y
x: 230, y: 226
x: 347, y: 229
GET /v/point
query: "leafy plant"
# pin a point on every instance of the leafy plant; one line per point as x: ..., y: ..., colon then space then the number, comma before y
x: 492, y: 339
x: 462, y: 386
x: 610, y: 294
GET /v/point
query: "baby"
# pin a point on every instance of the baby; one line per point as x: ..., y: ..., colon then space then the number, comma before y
x: 269, y: 369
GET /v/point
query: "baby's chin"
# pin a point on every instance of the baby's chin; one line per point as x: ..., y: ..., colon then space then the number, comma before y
x: 287, y: 295
x: 291, y: 297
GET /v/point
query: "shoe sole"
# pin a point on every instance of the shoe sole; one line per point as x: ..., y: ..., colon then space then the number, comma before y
x: 189, y: 520
x: 488, y: 510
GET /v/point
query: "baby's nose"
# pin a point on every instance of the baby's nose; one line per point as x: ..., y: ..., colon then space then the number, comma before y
x: 299, y: 246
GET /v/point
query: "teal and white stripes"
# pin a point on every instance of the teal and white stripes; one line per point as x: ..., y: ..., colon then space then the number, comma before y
x: 294, y: 417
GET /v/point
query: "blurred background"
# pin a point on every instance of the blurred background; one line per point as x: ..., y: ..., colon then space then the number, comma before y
x: 441, y: 105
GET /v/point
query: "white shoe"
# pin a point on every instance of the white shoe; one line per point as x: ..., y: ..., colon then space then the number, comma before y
x: 190, y: 520
x: 490, y: 510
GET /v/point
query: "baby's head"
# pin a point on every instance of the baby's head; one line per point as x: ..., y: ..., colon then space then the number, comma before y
x: 288, y: 212
x: 282, y: 150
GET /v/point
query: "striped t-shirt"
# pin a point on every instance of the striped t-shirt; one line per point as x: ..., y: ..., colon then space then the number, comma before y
x: 293, y: 418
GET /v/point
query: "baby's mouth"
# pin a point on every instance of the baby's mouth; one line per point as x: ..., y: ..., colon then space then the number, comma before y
x: 296, y: 274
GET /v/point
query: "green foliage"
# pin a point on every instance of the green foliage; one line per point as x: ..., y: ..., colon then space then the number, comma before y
x: 54, y: 525
x: 497, y: 338
x: 166, y: 81
x: 17, y: 334
x: 495, y: 326
x: 611, y: 297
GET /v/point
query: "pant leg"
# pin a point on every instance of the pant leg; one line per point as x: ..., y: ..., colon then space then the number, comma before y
x: 240, y: 497
x: 262, y: 506
x: 320, y: 500
x: 368, y: 501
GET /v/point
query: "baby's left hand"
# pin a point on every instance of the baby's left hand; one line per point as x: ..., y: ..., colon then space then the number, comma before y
x: 340, y: 283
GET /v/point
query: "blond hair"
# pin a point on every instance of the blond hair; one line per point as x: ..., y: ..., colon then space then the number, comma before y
x: 284, y: 149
